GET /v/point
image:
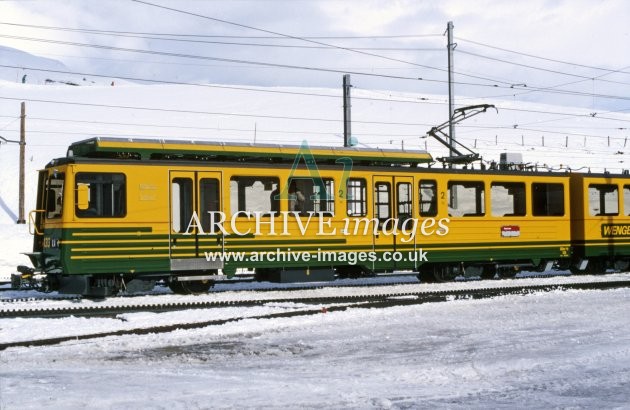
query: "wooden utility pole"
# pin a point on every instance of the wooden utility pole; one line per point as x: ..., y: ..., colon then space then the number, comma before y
x: 21, y: 219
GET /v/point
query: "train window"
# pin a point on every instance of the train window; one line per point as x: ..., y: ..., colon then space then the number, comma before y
x: 181, y: 203
x: 311, y: 195
x: 626, y: 199
x: 324, y: 196
x: 209, y: 202
x: 466, y: 198
x: 106, y: 195
x: 428, y: 198
x: 54, y: 196
x: 507, y: 199
x: 254, y: 194
x: 356, y: 200
x: 603, y: 199
x: 403, y: 201
x: 547, y: 199
x: 382, y: 201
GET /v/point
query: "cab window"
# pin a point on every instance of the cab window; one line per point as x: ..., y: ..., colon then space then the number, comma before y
x: 54, y: 196
x: 106, y: 195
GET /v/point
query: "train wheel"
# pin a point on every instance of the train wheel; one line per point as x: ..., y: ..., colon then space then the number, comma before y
x: 438, y: 273
x: 593, y: 267
x: 426, y: 274
x: 490, y: 272
x: 507, y: 272
x: 176, y: 287
x: 445, y: 273
x: 196, y: 287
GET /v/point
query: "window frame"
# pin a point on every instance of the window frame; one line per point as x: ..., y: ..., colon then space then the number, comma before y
x: 516, y: 201
x: 82, y: 213
x: 57, y: 200
x: 312, y: 200
x: 602, y: 190
x: 379, y: 204
x: 433, y: 202
x: 361, y: 201
x: 255, y: 178
x: 534, y: 200
x: 480, y: 197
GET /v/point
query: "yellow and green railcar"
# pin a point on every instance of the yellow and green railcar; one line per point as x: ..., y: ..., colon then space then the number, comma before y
x: 120, y: 214
x: 601, y: 222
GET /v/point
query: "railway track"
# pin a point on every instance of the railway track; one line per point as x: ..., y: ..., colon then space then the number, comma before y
x: 261, y: 290
x: 304, y: 306
x: 255, y: 290
x: 160, y: 306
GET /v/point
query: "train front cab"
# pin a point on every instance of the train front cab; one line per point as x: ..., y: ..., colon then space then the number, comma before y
x: 88, y: 238
x: 45, y: 223
x: 600, y: 223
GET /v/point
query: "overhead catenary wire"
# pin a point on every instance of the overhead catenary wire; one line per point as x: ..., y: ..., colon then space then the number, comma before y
x: 460, y: 51
x: 565, y: 114
x: 228, y: 87
x: 315, y: 69
x: 218, y: 113
x: 609, y: 70
x: 188, y: 39
x: 210, y: 58
x: 466, y: 129
x: 186, y: 35
x: 318, y: 42
x: 323, y: 69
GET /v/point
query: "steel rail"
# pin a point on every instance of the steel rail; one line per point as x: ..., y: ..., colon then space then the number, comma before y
x: 369, y: 301
x: 417, y: 297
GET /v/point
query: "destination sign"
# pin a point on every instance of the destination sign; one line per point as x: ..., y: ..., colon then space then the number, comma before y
x: 615, y: 230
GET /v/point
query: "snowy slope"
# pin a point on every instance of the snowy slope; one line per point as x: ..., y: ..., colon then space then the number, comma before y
x: 13, y: 57
x: 16, y: 60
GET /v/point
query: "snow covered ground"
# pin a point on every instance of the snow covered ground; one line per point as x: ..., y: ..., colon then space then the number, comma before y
x: 552, y: 350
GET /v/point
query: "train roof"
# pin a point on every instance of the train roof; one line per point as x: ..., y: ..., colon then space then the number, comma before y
x: 156, y: 149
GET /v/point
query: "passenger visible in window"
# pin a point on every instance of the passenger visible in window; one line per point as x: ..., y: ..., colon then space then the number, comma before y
x: 296, y: 198
x: 275, y: 199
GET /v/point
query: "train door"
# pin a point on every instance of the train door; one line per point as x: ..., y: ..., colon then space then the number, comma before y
x: 195, y: 240
x: 393, y: 207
